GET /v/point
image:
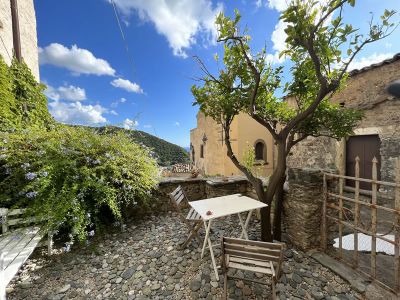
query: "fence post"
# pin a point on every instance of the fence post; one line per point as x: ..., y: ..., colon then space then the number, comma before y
x: 397, y: 228
x: 373, y: 215
x: 356, y: 211
x: 3, y: 219
x: 324, y: 218
x: 341, y: 183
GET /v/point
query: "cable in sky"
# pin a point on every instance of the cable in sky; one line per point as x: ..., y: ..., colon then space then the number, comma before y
x: 123, y: 36
x: 9, y: 56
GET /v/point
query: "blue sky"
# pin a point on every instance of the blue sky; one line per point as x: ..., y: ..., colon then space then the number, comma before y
x: 93, y: 81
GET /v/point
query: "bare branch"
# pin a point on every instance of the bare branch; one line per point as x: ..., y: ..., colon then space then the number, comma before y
x: 233, y: 157
x: 266, y: 125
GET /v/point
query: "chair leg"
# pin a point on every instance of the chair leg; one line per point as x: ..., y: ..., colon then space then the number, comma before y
x: 193, y: 233
x: 225, y: 286
x: 273, y: 290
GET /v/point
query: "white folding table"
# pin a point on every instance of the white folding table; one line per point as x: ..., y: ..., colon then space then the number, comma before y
x: 214, y: 208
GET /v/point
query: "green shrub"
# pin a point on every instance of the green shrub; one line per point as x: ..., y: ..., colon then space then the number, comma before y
x: 69, y: 175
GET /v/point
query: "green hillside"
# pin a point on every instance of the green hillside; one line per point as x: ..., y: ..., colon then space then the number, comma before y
x: 167, y: 153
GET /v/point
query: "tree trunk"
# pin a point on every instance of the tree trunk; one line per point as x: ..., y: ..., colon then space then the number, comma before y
x: 274, y: 182
x: 278, y: 210
x: 266, y: 233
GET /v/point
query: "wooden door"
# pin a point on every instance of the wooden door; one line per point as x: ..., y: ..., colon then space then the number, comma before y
x: 366, y: 147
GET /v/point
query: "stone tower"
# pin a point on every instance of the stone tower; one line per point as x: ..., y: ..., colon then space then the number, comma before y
x: 28, y: 34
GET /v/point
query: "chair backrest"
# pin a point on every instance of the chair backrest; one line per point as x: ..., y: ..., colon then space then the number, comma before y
x: 253, y: 250
x: 178, y: 197
x: 12, y: 218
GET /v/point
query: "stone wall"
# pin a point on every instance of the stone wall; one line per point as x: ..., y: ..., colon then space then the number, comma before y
x: 199, y: 188
x: 366, y: 91
x: 303, y: 208
x: 27, y: 26
x: 302, y: 205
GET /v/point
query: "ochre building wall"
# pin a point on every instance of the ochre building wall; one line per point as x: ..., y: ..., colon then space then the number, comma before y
x: 244, y: 134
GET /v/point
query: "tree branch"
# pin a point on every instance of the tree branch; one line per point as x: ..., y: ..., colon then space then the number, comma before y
x: 233, y: 157
x: 256, y: 73
x: 329, y: 12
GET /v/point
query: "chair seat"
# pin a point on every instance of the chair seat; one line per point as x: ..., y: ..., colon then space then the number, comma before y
x: 258, y: 266
x: 193, y: 215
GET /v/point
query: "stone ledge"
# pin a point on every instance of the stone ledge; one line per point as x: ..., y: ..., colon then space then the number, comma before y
x: 358, y: 281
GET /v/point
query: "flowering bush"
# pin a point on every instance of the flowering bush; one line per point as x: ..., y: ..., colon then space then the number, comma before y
x: 68, y: 175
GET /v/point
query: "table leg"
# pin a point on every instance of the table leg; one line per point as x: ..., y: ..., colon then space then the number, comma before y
x: 213, y: 259
x: 245, y: 225
x: 207, y: 228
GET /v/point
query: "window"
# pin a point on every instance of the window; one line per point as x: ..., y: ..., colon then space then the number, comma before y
x: 192, y: 152
x: 259, y: 150
x: 201, y: 151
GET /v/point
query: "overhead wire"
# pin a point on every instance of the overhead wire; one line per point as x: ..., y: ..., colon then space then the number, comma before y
x: 4, y: 44
x: 128, y: 53
x: 130, y: 58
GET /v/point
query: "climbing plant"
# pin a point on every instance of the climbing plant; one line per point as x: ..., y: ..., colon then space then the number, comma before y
x: 30, y: 102
x: 9, y: 115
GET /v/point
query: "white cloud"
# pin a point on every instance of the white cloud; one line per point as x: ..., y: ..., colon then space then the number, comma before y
x: 113, y: 112
x: 77, y: 60
x: 76, y: 113
x: 116, y: 103
x: 147, y: 126
x: 278, y: 38
x: 70, y: 92
x: 177, y: 124
x: 130, y: 124
x: 279, y: 5
x: 369, y: 60
x: 258, y: 3
x: 180, y: 21
x: 127, y: 85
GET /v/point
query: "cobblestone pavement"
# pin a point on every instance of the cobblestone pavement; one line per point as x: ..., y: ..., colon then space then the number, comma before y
x: 144, y: 262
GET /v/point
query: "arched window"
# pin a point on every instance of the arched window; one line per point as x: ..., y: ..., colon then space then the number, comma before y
x: 192, y: 153
x: 201, y: 151
x: 260, y: 151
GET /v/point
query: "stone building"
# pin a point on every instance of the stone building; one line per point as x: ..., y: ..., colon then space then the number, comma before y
x: 208, y: 150
x: 27, y: 29
x: 377, y: 135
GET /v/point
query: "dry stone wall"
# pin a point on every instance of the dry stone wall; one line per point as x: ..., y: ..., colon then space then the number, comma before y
x: 302, y: 204
x: 199, y: 188
x: 303, y: 208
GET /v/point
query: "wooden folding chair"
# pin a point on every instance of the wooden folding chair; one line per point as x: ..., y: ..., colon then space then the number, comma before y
x: 193, y: 220
x: 246, y: 255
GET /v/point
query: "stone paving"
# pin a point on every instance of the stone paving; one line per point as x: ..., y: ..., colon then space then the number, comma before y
x: 144, y: 262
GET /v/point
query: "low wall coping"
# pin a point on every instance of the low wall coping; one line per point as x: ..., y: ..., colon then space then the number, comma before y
x: 216, y: 181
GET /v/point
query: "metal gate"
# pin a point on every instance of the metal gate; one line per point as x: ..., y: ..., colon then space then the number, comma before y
x: 363, y: 229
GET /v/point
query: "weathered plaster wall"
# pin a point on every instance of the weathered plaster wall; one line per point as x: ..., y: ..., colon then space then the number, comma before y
x: 27, y: 25
x: 365, y: 91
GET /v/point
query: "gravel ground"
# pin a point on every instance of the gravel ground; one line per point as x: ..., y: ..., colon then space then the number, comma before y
x: 144, y: 262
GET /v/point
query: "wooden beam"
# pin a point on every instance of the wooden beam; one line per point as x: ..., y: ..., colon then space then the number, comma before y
x: 15, y: 29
